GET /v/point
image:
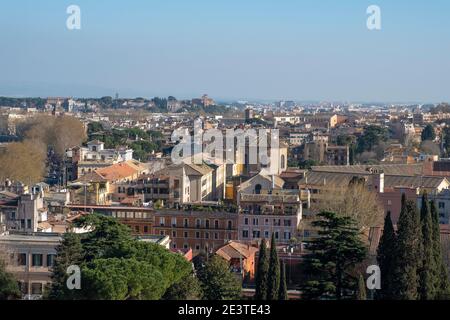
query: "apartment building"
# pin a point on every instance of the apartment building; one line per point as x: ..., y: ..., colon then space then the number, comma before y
x: 95, y: 156
x: 174, y: 185
x: 199, y: 228
x: 30, y: 258
x: 266, y: 208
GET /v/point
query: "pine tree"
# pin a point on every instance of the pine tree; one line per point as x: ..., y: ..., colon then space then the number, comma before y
x: 407, y: 260
x: 273, y: 278
x: 218, y: 282
x: 361, y: 293
x: 427, y: 271
x: 385, y: 258
x: 282, y: 292
x: 334, y: 254
x: 262, y: 272
x: 441, y: 278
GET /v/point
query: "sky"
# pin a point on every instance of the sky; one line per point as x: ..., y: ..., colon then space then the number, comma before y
x: 230, y: 49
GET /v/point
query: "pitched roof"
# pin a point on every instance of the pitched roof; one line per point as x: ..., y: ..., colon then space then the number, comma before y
x: 339, y: 179
x: 117, y: 171
x: 388, y: 169
x: 236, y: 250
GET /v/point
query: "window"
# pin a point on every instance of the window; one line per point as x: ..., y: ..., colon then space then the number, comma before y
x: 185, y: 246
x: 197, y: 247
x: 277, y: 235
x: 287, y: 223
x: 197, y: 235
x: 245, y: 234
x: 174, y: 234
x: 216, y: 235
x: 255, y: 221
x: 216, y: 224
x: 441, y: 205
x: 162, y: 233
x: 29, y: 223
x: 266, y: 222
x: 256, y: 234
x: 161, y: 221
x: 198, y: 223
x: 207, y: 224
x: 186, y: 223
x: 174, y: 222
x: 137, y: 229
x: 36, y: 288
x: 145, y: 229
x: 287, y: 235
x: 185, y: 234
x: 258, y: 188
x: 206, y: 235
x: 266, y: 234
x: 50, y: 260
x: 22, y: 259
x: 174, y: 245
x: 246, y: 221
x: 283, y: 162
x: 37, y: 260
x: 230, y: 224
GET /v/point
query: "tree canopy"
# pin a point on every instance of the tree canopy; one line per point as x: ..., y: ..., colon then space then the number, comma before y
x: 114, y: 265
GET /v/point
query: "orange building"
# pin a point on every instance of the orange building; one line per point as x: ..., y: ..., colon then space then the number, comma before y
x: 241, y: 258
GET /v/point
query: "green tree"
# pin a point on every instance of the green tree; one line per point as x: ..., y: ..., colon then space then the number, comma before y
x: 9, y: 288
x: 114, y: 265
x: 261, y: 277
x: 371, y: 138
x: 69, y: 252
x: 361, y: 293
x: 427, y: 271
x: 334, y: 255
x: 282, y: 292
x: 442, y: 284
x: 217, y: 281
x: 121, y: 279
x: 407, y: 260
x: 188, y: 288
x: 428, y: 133
x: 273, y: 278
x: 385, y: 257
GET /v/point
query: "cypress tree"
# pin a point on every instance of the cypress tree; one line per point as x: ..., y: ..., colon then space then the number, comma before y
x: 427, y: 271
x: 282, y: 292
x: 385, y: 258
x: 407, y: 258
x: 273, y: 279
x: 442, y: 285
x: 262, y: 272
x: 361, y: 293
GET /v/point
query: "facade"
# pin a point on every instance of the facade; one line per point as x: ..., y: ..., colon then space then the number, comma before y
x: 30, y: 259
x: 175, y: 185
x: 266, y: 208
x: 323, y: 153
x: 198, y: 228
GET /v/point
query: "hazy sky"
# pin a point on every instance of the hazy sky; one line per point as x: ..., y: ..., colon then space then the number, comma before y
x: 230, y: 49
